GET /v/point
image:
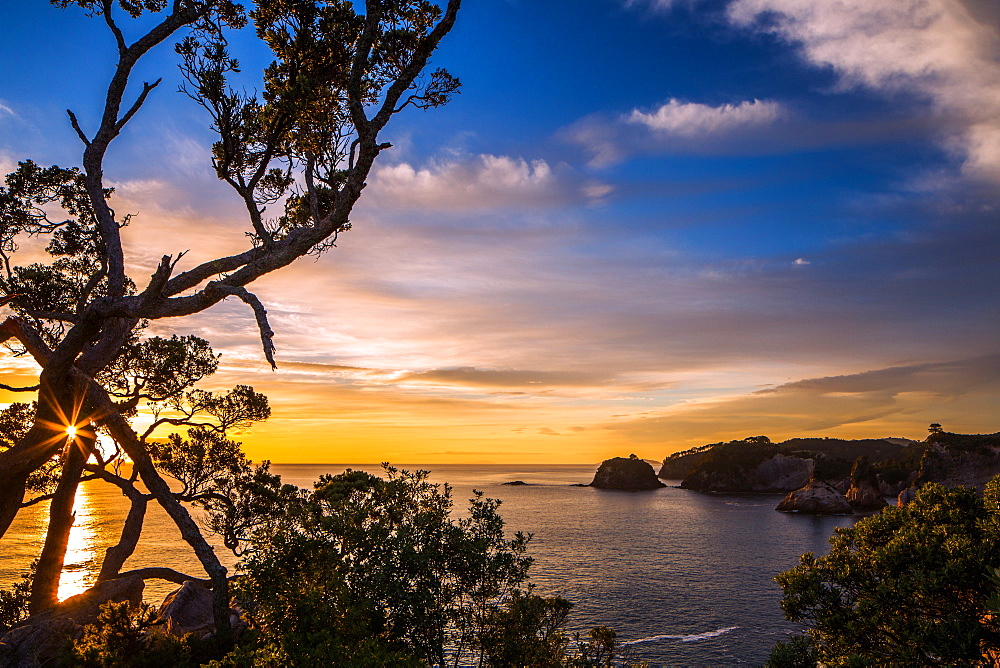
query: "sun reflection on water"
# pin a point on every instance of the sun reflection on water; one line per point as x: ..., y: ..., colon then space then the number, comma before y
x: 79, y: 570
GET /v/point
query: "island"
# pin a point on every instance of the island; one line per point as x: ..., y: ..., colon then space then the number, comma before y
x: 626, y: 473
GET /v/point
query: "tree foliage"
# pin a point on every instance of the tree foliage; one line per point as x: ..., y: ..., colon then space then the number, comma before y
x: 908, y: 586
x: 373, y: 571
x: 366, y: 557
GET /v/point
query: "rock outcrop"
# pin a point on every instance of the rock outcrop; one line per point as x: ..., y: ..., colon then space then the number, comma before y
x: 954, y: 460
x: 816, y: 498
x: 40, y: 639
x: 626, y: 473
x: 864, y: 493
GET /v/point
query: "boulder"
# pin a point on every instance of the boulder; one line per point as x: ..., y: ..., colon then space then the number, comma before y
x: 906, y: 496
x: 864, y: 492
x: 37, y: 642
x: 816, y: 498
x: 85, y: 606
x: 626, y: 473
x: 188, y: 609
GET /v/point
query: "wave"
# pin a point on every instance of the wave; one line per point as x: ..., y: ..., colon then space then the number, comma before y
x: 694, y: 637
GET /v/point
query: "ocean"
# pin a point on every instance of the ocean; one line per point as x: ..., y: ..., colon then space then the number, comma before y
x: 684, y: 578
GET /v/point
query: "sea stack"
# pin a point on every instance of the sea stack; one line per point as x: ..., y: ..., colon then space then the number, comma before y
x: 816, y: 498
x: 626, y: 473
x: 864, y: 493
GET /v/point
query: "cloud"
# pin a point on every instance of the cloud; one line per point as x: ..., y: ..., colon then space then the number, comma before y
x: 471, y: 376
x: 695, y: 120
x: 943, y: 50
x: 481, y: 182
x: 6, y: 110
x: 675, y: 127
x: 882, y: 402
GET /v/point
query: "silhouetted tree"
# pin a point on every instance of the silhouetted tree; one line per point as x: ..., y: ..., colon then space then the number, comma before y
x: 305, y: 145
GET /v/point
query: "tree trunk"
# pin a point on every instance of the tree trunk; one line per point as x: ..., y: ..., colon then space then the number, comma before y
x: 60, y: 404
x: 192, y: 535
x: 45, y: 586
x: 12, y: 482
x: 190, y: 532
x: 117, y: 555
x: 38, y: 446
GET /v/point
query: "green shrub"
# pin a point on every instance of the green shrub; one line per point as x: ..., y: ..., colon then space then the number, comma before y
x: 908, y: 586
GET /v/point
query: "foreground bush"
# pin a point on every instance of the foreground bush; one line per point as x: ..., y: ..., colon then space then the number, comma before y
x: 909, y: 586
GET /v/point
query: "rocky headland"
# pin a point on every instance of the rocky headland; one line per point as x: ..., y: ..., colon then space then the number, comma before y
x: 754, y: 465
x: 824, y: 474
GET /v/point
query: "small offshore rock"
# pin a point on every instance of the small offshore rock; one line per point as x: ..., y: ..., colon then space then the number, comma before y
x: 515, y: 483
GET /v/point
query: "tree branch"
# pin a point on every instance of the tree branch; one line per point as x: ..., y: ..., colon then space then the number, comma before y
x: 119, y: 38
x: 8, y: 388
x: 249, y: 298
x: 146, y: 87
x: 14, y: 328
x: 76, y: 126
x: 161, y: 573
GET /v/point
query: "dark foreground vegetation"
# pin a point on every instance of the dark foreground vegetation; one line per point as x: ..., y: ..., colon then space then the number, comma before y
x: 914, y: 585
x: 360, y: 571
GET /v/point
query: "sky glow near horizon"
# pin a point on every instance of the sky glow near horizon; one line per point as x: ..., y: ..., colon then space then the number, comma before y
x: 642, y: 226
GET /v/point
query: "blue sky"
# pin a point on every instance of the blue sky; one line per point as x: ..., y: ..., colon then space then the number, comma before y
x: 643, y: 225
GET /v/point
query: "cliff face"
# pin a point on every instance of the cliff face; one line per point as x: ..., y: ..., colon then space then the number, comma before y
x: 773, y: 473
x: 626, y: 473
x: 953, y: 466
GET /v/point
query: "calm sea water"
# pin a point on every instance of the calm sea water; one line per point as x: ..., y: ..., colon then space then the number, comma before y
x: 686, y: 578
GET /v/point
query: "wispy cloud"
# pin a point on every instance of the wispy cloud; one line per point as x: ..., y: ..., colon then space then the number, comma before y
x: 884, y: 402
